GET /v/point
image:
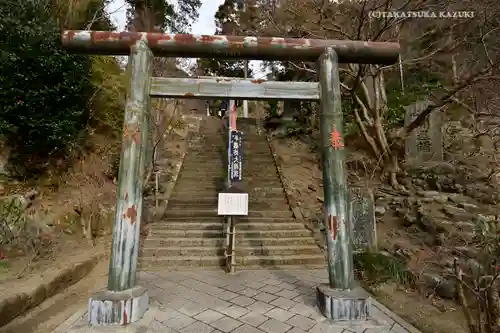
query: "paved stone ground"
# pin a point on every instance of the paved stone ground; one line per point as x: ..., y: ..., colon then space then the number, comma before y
x: 210, y: 301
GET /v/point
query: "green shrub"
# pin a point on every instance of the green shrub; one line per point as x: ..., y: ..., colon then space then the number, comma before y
x: 377, y: 268
x: 43, y: 89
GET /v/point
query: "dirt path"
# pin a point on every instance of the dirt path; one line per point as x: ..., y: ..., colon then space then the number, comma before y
x: 51, y: 313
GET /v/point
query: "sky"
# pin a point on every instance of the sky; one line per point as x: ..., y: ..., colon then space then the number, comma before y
x: 204, y: 26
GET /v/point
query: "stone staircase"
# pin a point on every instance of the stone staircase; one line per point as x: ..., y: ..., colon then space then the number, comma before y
x: 192, y: 234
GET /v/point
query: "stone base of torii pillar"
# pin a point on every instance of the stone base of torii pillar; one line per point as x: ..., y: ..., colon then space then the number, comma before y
x: 343, y: 305
x: 107, y: 308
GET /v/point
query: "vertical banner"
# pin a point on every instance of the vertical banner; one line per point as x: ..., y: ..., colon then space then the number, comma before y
x: 235, y: 155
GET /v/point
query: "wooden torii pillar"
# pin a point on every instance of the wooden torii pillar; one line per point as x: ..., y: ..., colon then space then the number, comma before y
x: 123, y: 301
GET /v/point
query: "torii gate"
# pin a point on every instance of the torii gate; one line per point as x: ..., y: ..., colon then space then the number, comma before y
x: 124, y: 302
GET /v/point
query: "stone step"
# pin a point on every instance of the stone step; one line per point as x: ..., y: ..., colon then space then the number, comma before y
x: 205, y: 168
x: 196, y: 193
x: 202, y: 171
x: 222, y: 174
x: 212, y: 152
x: 181, y: 261
x: 209, y: 176
x: 254, y: 190
x: 214, y: 225
x: 220, y: 219
x: 213, y: 200
x: 279, y: 260
x: 242, y: 262
x: 190, y: 187
x: 219, y: 251
x: 205, y: 176
x: 259, y: 165
x: 208, y: 149
x: 280, y: 205
x: 251, y: 235
x: 157, y: 240
x: 213, y: 212
x: 204, y: 195
x: 213, y: 160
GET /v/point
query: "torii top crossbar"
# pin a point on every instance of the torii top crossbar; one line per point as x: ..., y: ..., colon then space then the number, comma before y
x: 230, y: 47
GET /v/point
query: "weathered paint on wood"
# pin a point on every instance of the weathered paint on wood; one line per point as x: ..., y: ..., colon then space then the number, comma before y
x: 126, y: 231
x: 107, y: 308
x: 339, y: 243
x: 230, y: 47
x: 217, y: 88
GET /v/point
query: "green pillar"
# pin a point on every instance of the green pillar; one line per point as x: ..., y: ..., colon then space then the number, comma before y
x: 337, y: 224
x: 126, y: 230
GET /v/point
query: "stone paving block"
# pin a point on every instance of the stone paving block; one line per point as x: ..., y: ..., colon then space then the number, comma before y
x: 305, y: 283
x: 270, y: 289
x: 159, y: 295
x: 213, y: 303
x: 287, y: 286
x: 253, y: 318
x: 186, y: 307
x: 396, y: 328
x: 242, y: 300
x: 234, y: 287
x: 180, y: 290
x: 201, y: 286
x: 167, y: 285
x: 164, y: 313
x: 218, y: 304
x: 148, y: 277
x: 157, y: 327
x: 290, y: 294
x: 247, y: 329
x: 265, y: 297
x: 234, y: 311
x: 197, y: 327
x: 226, y: 324
x: 280, y: 314
x: 209, y: 289
x: 379, y: 315
x: 296, y: 330
x: 302, y: 309
x: 179, y: 321
x: 377, y: 330
x: 255, y: 284
x: 305, y: 290
x: 326, y: 328
x: 208, y: 316
x: 274, y: 326
x: 201, y: 297
x: 218, y: 282
x: 273, y: 282
x: 283, y: 303
x: 171, y: 276
x: 227, y: 295
x: 249, y: 292
x: 316, y: 314
x: 289, y: 279
x: 359, y: 327
x: 301, y: 322
x: 188, y: 304
x: 306, y: 299
x: 260, y: 307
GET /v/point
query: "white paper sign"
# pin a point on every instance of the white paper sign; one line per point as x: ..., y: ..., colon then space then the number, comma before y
x: 233, y: 204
